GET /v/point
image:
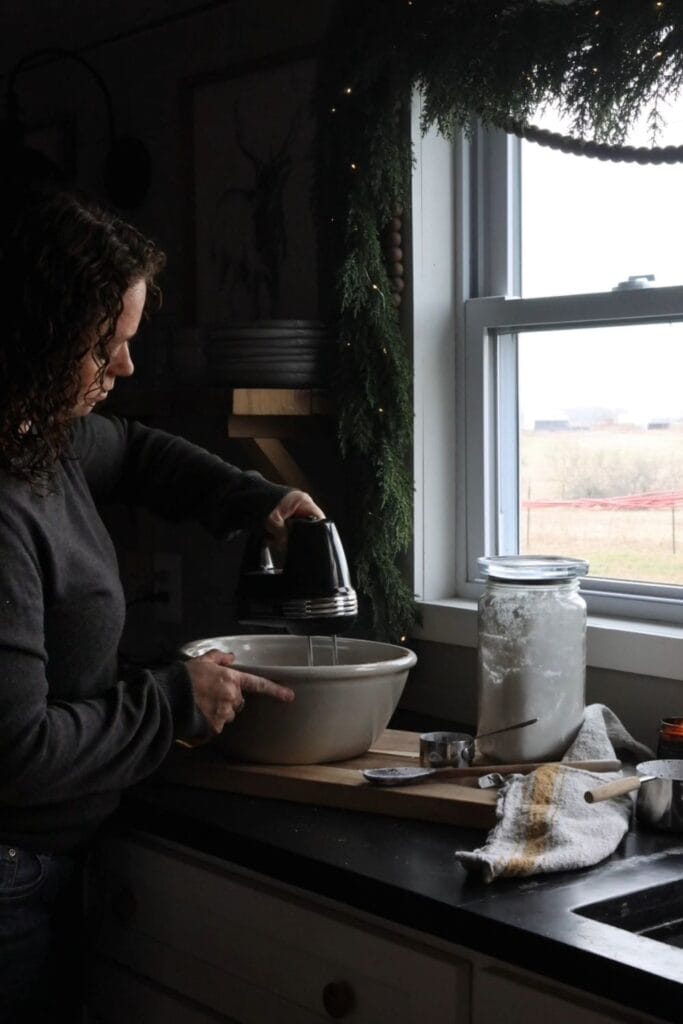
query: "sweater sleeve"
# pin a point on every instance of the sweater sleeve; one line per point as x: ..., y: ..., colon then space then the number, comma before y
x: 64, y: 739
x: 179, y: 481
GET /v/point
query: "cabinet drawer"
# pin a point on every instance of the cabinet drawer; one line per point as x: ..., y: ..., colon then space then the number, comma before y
x: 123, y: 996
x: 248, y: 951
x: 497, y: 996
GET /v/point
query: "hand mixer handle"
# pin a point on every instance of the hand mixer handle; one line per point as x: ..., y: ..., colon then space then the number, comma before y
x: 317, y: 595
x: 312, y: 594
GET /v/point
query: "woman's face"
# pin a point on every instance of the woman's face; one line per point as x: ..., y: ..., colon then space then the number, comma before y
x: 94, y: 386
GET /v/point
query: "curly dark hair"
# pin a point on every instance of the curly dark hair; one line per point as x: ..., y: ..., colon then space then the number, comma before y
x: 65, y: 265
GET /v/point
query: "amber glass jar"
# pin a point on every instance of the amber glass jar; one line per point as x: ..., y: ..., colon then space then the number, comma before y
x: 670, y: 742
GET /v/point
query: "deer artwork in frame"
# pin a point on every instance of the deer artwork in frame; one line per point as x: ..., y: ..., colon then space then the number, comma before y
x: 255, y: 238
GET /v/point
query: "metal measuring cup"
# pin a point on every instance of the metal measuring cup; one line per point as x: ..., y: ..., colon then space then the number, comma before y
x: 439, y: 752
x: 456, y: 749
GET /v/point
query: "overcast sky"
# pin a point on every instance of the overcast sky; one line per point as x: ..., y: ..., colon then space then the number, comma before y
x: 588, y: 224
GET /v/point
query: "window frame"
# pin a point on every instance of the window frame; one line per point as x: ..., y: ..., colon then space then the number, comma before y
x: 491, y: 453
x: 457, y: 238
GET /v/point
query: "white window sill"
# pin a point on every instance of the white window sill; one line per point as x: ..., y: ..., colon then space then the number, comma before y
x: 638, y: 648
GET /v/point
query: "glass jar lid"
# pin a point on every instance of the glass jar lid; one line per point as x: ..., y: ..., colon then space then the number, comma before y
x: 531, y: 568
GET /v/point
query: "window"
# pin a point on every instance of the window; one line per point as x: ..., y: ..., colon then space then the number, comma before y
x: 572, y: 398
x: 549, y: 374
x: 550, y: 468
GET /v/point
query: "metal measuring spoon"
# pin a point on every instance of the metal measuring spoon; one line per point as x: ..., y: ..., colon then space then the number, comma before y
x: 406, y: 775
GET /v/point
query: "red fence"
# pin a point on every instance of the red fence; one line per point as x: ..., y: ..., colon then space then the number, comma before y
x: 627, y: 502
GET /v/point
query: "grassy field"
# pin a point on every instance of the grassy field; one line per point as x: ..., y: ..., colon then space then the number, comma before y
x: 565, y: 465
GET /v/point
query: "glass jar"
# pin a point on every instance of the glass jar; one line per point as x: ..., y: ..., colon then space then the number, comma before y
x: 670, y: 739
x: 531, y: 656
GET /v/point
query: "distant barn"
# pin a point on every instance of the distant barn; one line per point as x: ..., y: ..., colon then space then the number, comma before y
x: 551, y: 425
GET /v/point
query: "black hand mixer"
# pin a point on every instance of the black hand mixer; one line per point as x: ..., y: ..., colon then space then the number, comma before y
x: 310, y: 595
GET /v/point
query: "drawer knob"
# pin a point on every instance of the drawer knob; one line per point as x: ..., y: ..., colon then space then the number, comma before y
x: 339, y: 999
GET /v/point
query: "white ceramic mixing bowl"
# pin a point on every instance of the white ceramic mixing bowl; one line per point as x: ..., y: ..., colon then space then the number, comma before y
x: 339, y: 710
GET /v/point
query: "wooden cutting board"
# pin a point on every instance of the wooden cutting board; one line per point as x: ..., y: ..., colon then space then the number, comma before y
x: 341, y: 784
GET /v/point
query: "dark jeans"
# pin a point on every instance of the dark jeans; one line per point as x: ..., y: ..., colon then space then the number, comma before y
x: 40, y: 937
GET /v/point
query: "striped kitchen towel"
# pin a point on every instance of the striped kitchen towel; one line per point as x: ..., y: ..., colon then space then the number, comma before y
x: 543, y: 821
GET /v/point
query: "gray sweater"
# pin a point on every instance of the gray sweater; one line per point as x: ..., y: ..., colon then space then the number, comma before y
x: 73, y: 734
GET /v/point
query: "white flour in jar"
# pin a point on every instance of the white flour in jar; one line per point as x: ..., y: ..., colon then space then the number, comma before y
x: 531, y: 664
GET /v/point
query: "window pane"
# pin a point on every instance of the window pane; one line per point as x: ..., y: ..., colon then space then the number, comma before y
x: 588, y: 224
x: 601, y: 448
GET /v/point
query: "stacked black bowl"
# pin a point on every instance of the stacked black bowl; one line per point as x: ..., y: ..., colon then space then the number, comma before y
x: 270, y: 353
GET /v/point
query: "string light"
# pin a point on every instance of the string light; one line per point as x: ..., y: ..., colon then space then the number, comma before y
x: 333, y: 110
x: 354, y: 167
x: 375, y: 287
x: 348, y: 90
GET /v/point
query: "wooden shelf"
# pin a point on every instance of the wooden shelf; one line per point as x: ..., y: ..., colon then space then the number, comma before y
x: 260, y: 418
x: 281, y: 402
x: 164, y: 401
x: 265, y: 417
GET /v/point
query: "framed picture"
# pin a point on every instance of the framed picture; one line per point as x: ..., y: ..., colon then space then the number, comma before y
x: 252, y: 226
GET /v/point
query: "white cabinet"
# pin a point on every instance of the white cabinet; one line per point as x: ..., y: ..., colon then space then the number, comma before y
x: 499, y: 996
x: 124, y: 996
x: 174, y: 928
x: 180, y: 938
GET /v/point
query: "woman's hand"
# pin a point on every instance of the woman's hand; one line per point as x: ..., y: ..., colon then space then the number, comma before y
x: 295, y: 504
x: 220, y: 691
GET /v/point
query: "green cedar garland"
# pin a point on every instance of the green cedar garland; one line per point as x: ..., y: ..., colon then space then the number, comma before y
x: 366, y: 161
x: 604, y: 61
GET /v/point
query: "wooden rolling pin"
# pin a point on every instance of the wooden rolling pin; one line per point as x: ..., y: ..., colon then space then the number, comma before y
x: 524, y: 769
x: 507, y: 769
x: 407, y: 776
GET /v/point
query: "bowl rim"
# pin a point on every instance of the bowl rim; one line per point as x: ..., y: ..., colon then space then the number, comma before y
x: 404, y: 659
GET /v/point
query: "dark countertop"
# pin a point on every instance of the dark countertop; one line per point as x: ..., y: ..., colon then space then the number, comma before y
x: 405, y: 871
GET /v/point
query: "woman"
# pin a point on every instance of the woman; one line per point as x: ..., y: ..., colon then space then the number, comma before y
x: 75, y: 283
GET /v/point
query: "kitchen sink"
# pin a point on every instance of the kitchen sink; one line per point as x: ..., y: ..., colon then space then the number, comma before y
x: 655, y: 912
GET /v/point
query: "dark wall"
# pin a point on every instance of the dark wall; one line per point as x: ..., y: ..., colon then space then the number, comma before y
x: 152, y: 56
x: 150, y: 75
